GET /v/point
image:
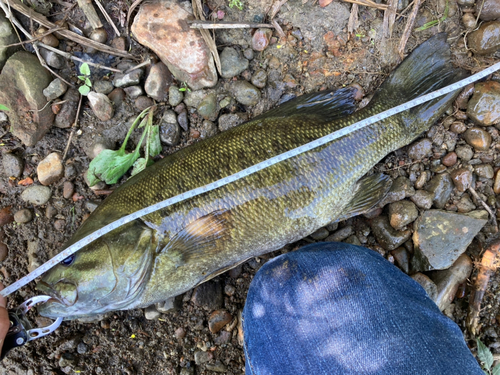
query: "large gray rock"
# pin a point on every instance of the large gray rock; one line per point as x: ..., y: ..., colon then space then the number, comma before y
x: 23, y: 80
x: 440, y: 237
x: 7, y: 37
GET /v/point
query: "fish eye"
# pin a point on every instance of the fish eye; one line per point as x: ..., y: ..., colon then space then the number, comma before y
x: 68, y: 261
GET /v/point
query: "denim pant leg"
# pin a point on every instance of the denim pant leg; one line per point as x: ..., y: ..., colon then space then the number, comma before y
x: 335, y: 308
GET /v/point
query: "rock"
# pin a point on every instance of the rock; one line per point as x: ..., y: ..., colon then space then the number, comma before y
x: 12, y: 165
x: 194, y: 98
x: 100, y: 144
x: 23, y: 80
x: 230, y: 120
x: 67, y: 115
x: 119, y: 43
x: 170, y: 133
x: 201, y: 357
x: 52, y: 59
x: 82, y: 348
x: 484, y: 170
x: 458, y: 127
x: 450, y: 159
x: 117, y: 96
x: 133, y: 92
x: 387, y: 236
x: 496, y: 183
x: 103, y: 87
x: 60, y: 224
x: 448, y: 281
x: 143, y: 102
x: 478, y: 138
x: 23, y: 216
x: 423, y: 199
x: 162, y: 26
x: 218, y: 319
x: 208, y: 129
x: 208, y: 107
x: 187, y: 371
x: 158, y: 82
x: 132, y: 78
x: 217, y: 367
x: 420, y: 150
x: 486, y: 39
x: 182, y: 119
x: 101, y: 106
x: 150, y: 313
x: 490, y: 10
x: 7, y: 37
x: 6, y: 217
x: 341, y: 234
x: 426, y: 283
x: 248, y: 53
x: 55, y: 89
x: 441, y: 186
x: 180, y: 333
x: 245, y: 93
x: 261, y: 38
x: 169, y: 305
x: 320, y: 234
x: 401, y: 188
x: 469, y: 21
x: 208, y: 295
x: 465, y: 153
x: 4, y: 252
x: 175, y: 96
x: 465, y: 204
x: 50, y: 169
x: 484, y: 106
x: 462, y: 178
x: 50, y: 212
x: 259, y: 79
x: 68, y: 189
x: 402, y: 213
x: 36, y: 194
x: 440, y: 237
x: 232, y: 63
x: 401, y: 259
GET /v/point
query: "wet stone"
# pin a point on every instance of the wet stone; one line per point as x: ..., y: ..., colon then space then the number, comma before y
x: 426, y: 283
x: 449, y: 159
x: 229, y: 290
x: 175, y: 96
x: 129, y: 79
x: 490, y: 10
x: 484, y: 106
x: 496, y: 183
x: 133, y: 92
x: 101, y: 106
x: 12, y: 165
x: 66, y: 116
x: 232, y: 63
x: 469, y: 21
x: 218, y: 319
x: 230, y: 120
x: 50, y: 169
x: 183, y: 120
x: 423, y: 199
x: 465, y: 153
x: 441, y: 186
x: 246, y: 93
x: 208, y: 129
x: 401, y: 259
x: 484, y: 170
x: 402, y: 213
x: 462, y: 178
x: 401, y: 188
x: 55, y: 89
x: 465, y: 204
x: 103, y: 87
x: 387, y: 236
x: 486, y: 39
x: 23, y: 216
x: 458, y: 127
x: 341, y: 234
x: 170, y: 132
x: 208, y: 107
x: 420, y: 149
x: 422, y: 179
x: 208, y: 295
x: 320, y: 234
x: 158, y: 81
x: 440, y: 237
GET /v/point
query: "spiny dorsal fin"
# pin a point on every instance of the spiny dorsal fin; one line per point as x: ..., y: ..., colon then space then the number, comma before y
x: 367, y: 193
x: 324, y: 106
x: 200, y: 238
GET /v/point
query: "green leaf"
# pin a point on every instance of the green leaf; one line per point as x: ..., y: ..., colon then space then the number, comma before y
x: 85, y: 69
x: 154, y: 141
x: 496, y: 370
x: 139, y: 166
x: 109, y: 166
x: 87, y: 82
x: 84, y: 90
x: 4, y: 108
x: 484, y: 355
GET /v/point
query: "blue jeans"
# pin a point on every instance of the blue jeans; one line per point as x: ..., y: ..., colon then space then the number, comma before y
x: 335, y: 308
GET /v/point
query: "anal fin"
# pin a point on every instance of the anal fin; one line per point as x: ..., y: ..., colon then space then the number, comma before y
x: 367, y: 193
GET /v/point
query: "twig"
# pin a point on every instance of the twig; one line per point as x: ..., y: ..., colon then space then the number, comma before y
x: 488, y: 266
x: 368, y: 3
x: 108, y: 18
x: 408, y: 28
x: 389, y: 18
x: 209, y: 40
x: 226, y: 25
x: 129, y: 13
x: 486, y: 207
x: 20, y: 7
x: 73, y: 127
x: 275, y: 8
x: 353, y: 23
x: 89, y: 11
x: 278, y: 29
x: 147, y: 62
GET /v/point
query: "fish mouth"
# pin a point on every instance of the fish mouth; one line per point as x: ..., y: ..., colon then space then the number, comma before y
x: 56, y: 297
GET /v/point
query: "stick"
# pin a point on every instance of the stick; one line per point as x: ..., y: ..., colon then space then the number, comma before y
x: 408, y: 28
x: 368, y: 3
x: 278, y: 29
x: 486, y: 207
x: 275, y: 8
x: 389, y: 18
x: 488, y: 266
x: 227, y: 25
x: 353, y: 23
x: 89, y: 11
x: 108, y: 18
x: 147, y: 62
x: 73, y: 128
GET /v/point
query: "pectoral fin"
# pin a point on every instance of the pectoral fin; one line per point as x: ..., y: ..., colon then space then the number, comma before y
x: 368, y: 192
x: 201, y: 238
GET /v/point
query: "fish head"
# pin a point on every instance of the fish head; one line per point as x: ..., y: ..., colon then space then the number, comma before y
x: 108, y: 274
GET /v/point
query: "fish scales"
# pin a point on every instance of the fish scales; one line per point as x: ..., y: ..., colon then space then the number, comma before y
x: 174, y: 249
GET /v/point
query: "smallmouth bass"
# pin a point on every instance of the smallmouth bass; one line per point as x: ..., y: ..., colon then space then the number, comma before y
x: 174, y: 249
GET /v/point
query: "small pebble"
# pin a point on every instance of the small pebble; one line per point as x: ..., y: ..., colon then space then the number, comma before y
x: 465, y: 204
x: 421, y: 149
x: 386, y: 235
x: 259, y: 79
x: 50, y: 169
x: 60, y: 224
x: 36, y: 194
x: 55, y: 89
x: 133, y: 92
x: 449, y: 159
x: 68, y: 189
x: 50, y: 212
x: 143, y: 102
x: 464, y: 153
x: 462, y: 178
x: 402, y: 213
x: 158, y: 82
x: 183, y: 121
x: 175, y: 96
x: 3, y: 252
x: 23, y: 216
x: 117, y: 96
x: 201, y: 357
x: 101, y: 106
x: 341, y: 234
x: 423, y: 199
x: 478, y: 138
x: 103, y: 87
x: 320, y: 234
x: 496, y: 184
x: 261, y: 38
x: 218, y: 319
x: 458, y: 127
x: 12, y: 165
x: 484, y: 170
x: 180, y: 333
x: 486, y: 39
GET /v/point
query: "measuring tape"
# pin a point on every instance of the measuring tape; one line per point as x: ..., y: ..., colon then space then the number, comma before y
x: 244, y: 173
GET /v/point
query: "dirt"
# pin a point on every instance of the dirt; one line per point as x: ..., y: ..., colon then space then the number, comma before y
x: 126, y: 342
